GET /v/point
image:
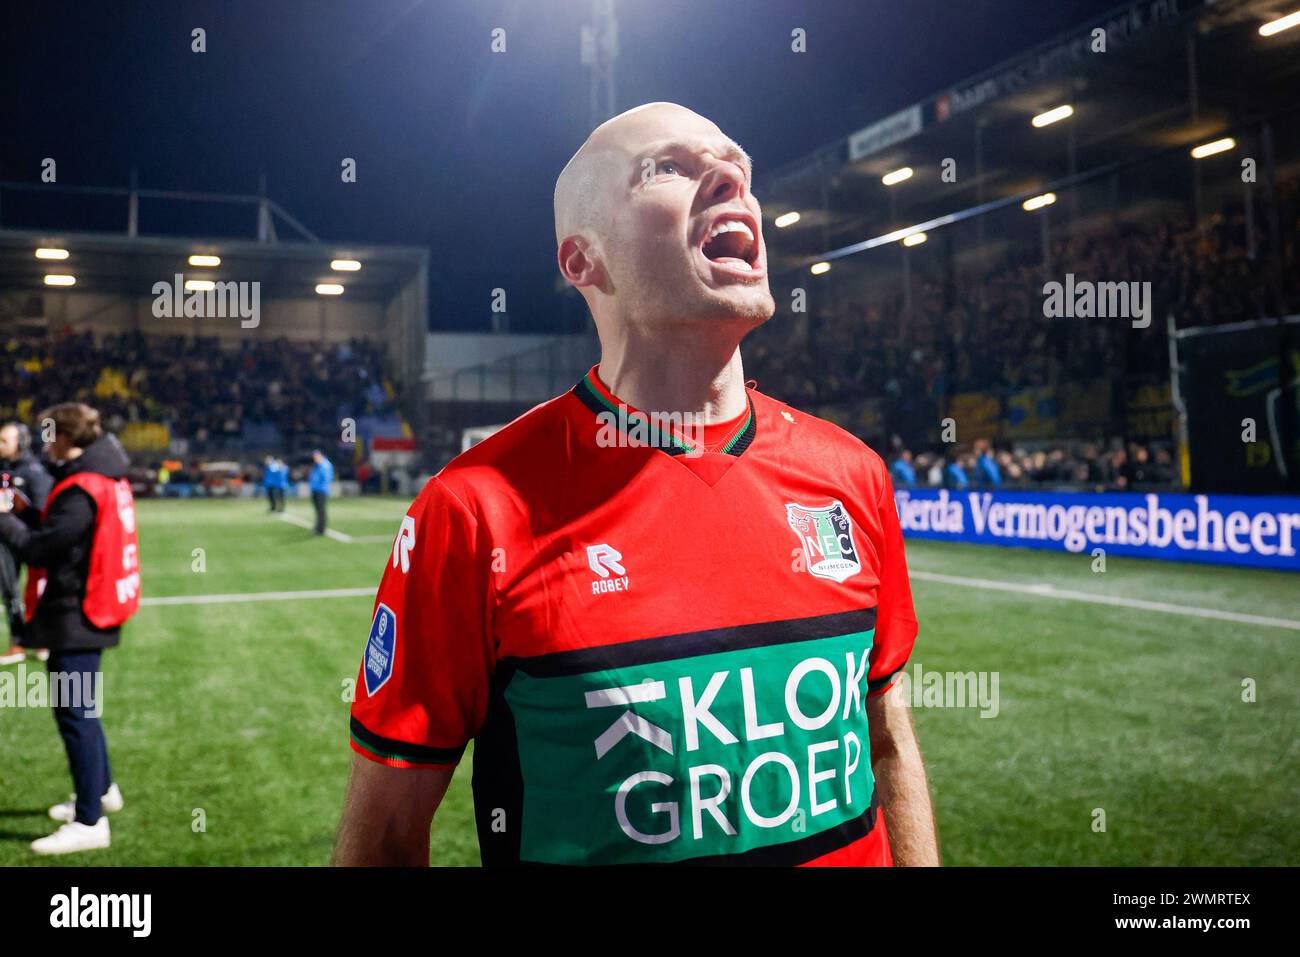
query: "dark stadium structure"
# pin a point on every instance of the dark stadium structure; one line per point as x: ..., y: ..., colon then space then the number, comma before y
x: 892, y: 340
x: 338, y: 336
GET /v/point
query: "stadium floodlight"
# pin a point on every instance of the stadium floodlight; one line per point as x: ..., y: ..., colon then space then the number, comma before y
x: 48, y: 252
x: 915, y: 239
x: 1210, y: 149
x: 786, y: 219
x: 199, y: 285
x: 820, y: 268
x: 894, y: 177
x: 209, y: 261
x: 1038, y: 202
x: 329, y: 289
x: 1280, y: 24
x: 59, y: 279
x: 1053, y: 116
x: 344, y: 265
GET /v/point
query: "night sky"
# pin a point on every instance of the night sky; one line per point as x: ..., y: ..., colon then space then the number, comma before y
x: 457, y: 147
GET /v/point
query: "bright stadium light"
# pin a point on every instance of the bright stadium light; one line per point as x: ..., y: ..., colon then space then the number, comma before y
x: 199, y: 285
x: 344, y: 265
x: 897, y: 176
x: 1280, y: 24
x: 1038, y: 202
x: 819, y: 269
x: 1209, y: 149
x: 786, y: 219
x: 1053, y: 116
x: 329, y: 289
x: 915, y: 239
x: 209, y: 261
x: 59, y: 279
x: 47, y: 252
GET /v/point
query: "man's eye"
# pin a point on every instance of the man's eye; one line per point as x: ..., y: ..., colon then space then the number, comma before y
x: 669, y: 167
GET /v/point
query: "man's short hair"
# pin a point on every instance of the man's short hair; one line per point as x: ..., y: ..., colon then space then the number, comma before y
x: 76, y: 420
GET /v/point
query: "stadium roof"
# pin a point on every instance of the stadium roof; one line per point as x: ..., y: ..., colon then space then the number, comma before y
x: 1135, y: 99
x: 130, y: 265
x: 128, y: 262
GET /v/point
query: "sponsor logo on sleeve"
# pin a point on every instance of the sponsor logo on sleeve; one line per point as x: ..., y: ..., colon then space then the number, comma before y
x: 380, y: 649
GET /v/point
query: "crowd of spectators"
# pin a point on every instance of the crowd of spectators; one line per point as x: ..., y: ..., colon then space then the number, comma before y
x: 277, y: 394
x: 982, y: 329
x: 1112, y: 466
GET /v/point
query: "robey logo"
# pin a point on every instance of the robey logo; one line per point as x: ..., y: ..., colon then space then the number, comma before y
x: 607, y: 562
x: 403, y: 544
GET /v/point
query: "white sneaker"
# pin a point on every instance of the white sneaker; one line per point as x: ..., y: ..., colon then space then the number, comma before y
x: 12, y: 657
x: 67, y: 811
x: 74, y: 837
x: 42, y: 654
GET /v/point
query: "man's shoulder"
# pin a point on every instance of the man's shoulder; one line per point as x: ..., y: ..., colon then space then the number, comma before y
x: 805, y: 433
x: 512, y: 460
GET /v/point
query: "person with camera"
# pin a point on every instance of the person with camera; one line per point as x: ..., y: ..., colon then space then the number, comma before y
x: 83, y: 583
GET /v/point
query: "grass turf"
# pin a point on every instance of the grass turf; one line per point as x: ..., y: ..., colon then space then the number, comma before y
x: 234, y: 713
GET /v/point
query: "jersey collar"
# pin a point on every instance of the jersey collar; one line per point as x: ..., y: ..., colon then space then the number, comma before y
x: 593, y: 394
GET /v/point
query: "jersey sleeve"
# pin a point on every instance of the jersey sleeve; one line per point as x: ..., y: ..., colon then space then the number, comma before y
x: 895, y: 617
x: 423, y: 688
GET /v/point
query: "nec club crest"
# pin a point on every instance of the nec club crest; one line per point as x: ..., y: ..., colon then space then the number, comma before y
x: 826, y: 535
x: 380, y: 649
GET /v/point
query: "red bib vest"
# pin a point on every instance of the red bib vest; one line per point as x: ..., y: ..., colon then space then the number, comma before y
x: 113, y: 583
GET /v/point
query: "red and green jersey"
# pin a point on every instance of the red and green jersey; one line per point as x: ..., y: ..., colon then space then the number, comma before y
x: 662, y: 654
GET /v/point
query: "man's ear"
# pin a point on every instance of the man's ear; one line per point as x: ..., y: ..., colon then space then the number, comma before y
x: 578, y: 263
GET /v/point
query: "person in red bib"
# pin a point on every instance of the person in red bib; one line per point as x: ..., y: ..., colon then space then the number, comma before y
x: 83, y: 583
x: 668, y: 610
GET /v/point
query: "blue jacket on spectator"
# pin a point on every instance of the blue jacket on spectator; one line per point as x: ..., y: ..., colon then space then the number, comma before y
x: 954, y: 476
x: 322, y: 476
x: 902, y: 472
x: 276, y: 475
x: 989, y: 473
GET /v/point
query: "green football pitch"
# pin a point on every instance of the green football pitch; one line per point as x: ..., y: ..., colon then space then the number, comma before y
x: 227, y: 719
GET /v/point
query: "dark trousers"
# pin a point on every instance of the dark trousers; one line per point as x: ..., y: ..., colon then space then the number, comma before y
x: 82, y: 734
x: 276, y: 498
x: 318, y: 500
x: 11, y: 594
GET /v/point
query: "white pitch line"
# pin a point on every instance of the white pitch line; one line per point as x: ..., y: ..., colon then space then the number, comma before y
x: 304, y: 523
x: 1051, y: 591
x: 259, y: 596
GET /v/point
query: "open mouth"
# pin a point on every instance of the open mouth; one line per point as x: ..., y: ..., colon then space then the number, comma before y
x: 731, y: 242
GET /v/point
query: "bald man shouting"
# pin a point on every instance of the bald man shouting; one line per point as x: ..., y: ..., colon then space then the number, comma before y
x: 667, y: 609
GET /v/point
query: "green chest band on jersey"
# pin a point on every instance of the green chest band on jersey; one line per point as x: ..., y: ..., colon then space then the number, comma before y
x: 730, y: 751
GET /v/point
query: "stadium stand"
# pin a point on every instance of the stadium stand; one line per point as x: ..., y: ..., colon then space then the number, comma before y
x: 264, y: 394
x: 893, y: 342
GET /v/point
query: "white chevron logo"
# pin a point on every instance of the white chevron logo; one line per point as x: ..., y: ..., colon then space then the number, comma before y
x: 629, y: 722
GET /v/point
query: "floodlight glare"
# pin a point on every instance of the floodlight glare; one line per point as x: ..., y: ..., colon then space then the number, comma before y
x: 1053, y: 116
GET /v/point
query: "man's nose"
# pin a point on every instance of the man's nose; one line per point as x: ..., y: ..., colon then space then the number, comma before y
x: 724, y: 181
